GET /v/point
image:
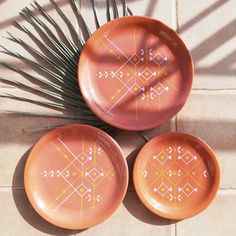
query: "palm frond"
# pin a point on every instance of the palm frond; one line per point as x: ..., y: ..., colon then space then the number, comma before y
x: 56, y: 62
x: 54, y: 24
x: 95, y: 12
x: 108, y: 10
x: 63, y: 116
x: 115, y: 9
x: 80, y: 20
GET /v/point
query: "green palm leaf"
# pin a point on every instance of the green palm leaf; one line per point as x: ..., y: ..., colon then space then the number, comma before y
x: 56, y: 62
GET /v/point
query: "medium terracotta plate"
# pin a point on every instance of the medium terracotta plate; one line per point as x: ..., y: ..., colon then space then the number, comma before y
x: 76, y: 176
x: 176, y: 175
x: 135, y: 73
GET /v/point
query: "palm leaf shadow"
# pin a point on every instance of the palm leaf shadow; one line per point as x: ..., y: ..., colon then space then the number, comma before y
x: 55, y: 61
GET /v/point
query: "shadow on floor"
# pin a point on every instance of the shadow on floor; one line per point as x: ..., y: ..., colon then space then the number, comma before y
x: 133, y: 203
x: 26, y: 210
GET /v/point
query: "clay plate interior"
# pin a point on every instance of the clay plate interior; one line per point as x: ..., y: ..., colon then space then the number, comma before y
x: 135, y: 73
x: 76, y: 176
x: 176, y: 175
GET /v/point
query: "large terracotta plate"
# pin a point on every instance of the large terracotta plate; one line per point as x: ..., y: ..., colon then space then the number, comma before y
x: 135, y: 73
x: 76, y: 176
x: 176, y: 175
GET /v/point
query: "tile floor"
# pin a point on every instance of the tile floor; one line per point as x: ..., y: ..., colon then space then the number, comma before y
x: 208, y: 29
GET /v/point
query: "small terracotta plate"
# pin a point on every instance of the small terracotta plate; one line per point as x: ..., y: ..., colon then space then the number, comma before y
x: 76, y: 176
x: 135, y: 73
x: 176, y: 175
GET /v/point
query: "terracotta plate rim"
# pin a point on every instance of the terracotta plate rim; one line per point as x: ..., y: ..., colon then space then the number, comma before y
x: 87, y: 95
x: 123, y: 188
x: 211, y: 195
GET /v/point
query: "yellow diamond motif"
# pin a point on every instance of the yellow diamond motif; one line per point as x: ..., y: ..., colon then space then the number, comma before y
x: 94, y: 173
x: 135, y: 59
x: 187, y: 157
x: 163, y: 189
x: 135, y: 89
x: 81, y: 189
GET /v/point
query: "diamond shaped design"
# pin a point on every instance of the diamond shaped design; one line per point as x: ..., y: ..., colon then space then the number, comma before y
x: 175, y: 173
x: 94, y: 174
x: 187, y: 158
x: 160, y: 88
x: 83, y: 158
x: 135, y: 59
x: 162, y: 158
x: 135, y: 89
x: 159, y: 58
x: 147, y: 74
x: 187, y: 189
x: 82, y: 190
x: 163, y: 189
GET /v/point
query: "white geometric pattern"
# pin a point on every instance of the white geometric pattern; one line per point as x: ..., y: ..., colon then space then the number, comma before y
x: 162, y: 157
x: 163, y: 189
x: 130, y: 73
x: 169, y: 180
x: 80, y: 188
x: 55, y: 173
x: 157, y: 58
x: 94, y: 174
x: 159, y: 89
x: 83, y: 158
x: 187, y: 189
x: 147, y: 73
x: 83, y: 190
x: 187, y: 157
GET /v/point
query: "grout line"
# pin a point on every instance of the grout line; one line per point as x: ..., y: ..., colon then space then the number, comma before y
x: 176, y: 228
x: 175, y: 15
x: 225, y: 189
x: 176, y: 123
x: 12, y: 187
x: 213, y: 89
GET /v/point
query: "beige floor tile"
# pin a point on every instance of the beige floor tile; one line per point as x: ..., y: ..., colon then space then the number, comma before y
x: 133, y: 219
x: 129, y: 141
x: 14, y: 144
x: 19, y: 133
x: 161, y: 10
x: 19, y: 218
x: 211, y: 116
x: 132, y: 143
x: 14, y: 105
x: 8, y: 16
x: 208, y: 29
x: 169, y: 126
x: 218, y: 219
